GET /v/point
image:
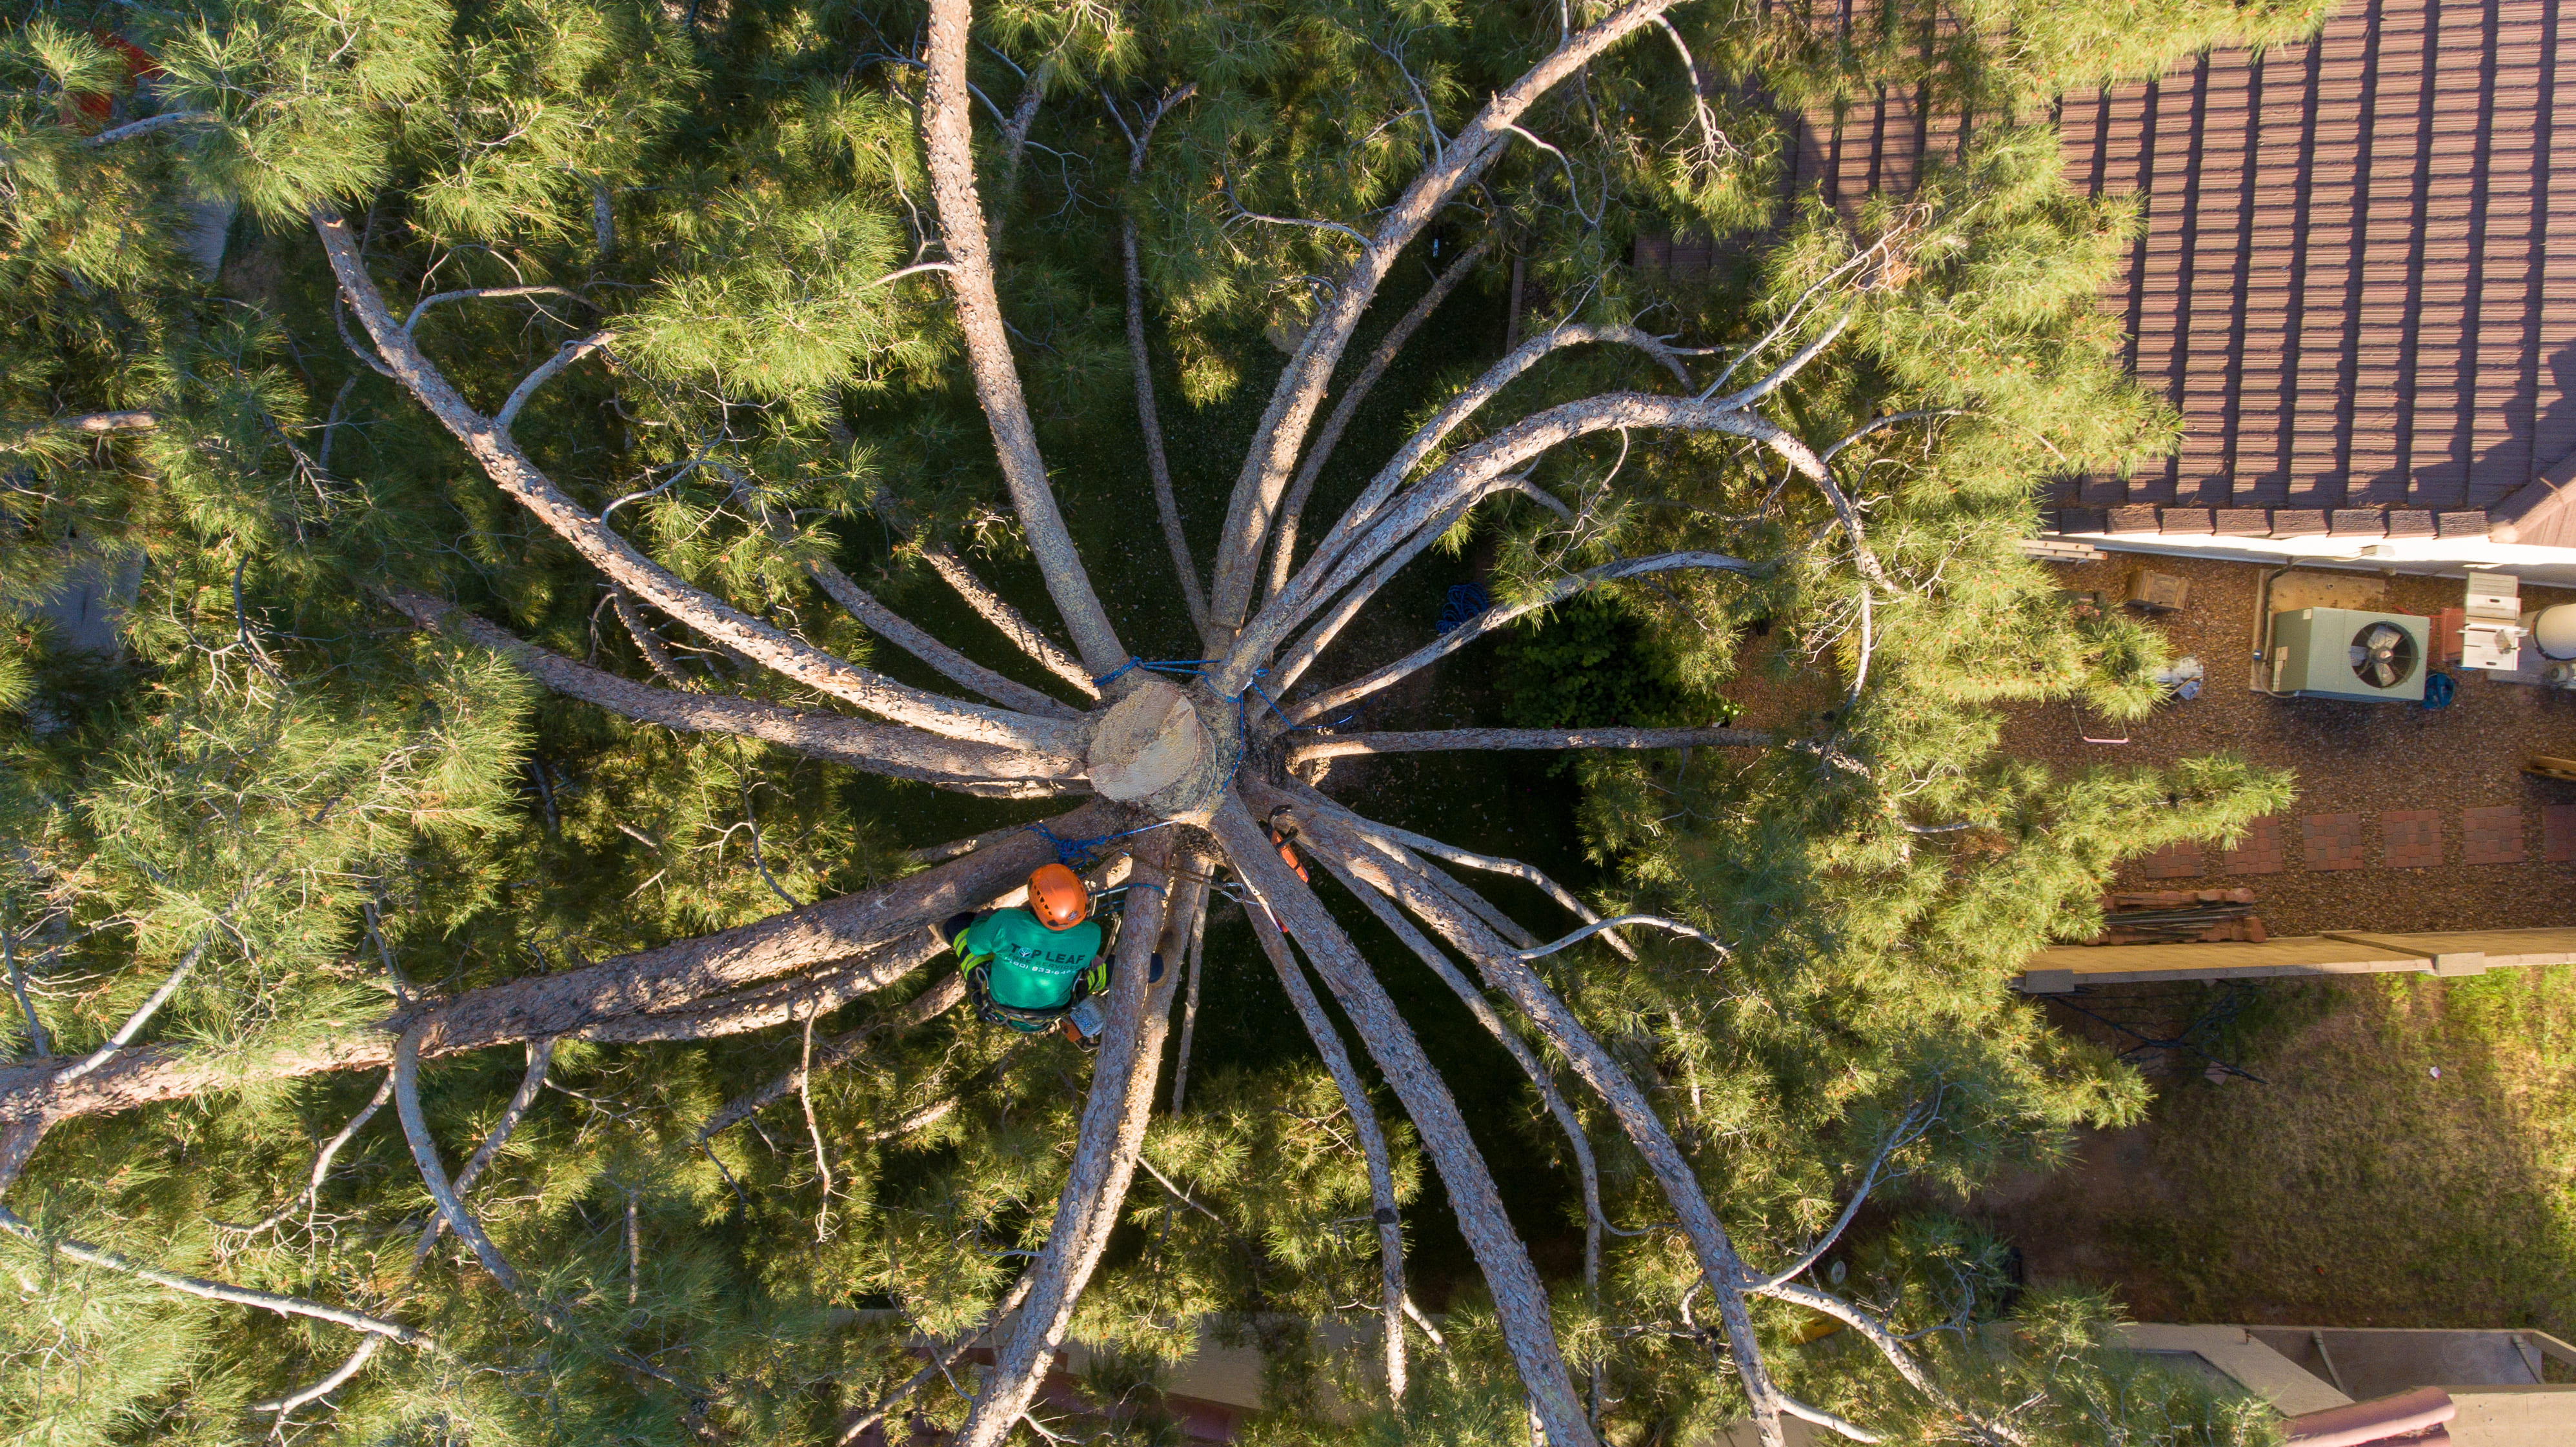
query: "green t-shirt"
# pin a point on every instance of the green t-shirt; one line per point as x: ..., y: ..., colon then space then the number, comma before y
x: 1033, y: 966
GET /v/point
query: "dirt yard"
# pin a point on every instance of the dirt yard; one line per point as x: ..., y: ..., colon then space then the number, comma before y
x: 2407, y: 1159
x: 2406, y: 819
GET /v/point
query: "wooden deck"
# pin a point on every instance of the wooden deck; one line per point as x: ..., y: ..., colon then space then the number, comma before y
x: 2061, y: 969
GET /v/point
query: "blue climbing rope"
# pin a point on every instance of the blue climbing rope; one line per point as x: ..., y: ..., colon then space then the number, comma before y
x: 1464, y: 603
x: 1078, y: 854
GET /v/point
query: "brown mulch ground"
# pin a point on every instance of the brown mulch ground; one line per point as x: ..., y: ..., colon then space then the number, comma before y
x: 2363, y: 758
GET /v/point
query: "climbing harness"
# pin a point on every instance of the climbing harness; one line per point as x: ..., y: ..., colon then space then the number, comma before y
x: 979, y: 990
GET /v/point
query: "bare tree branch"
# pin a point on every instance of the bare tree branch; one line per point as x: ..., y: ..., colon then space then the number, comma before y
x: 1282, y: 430
x: 1597, y: 926
x: 1875, y: 1332
x: 1157, y: 465
x: 89, y: 1255
x: 1308, y: 589
x: 1503, y: 970
x: 1444, y: 740
x: 135, y: 1022
x: 1284, y: 544
x: 541, y: 1055
x: 949, y: 149
x: 483, y: 293
x: 565, y: 355
x: 1491, y: 864
x: 433, y: 1173
x: 876, y: 748
x: 993, y: 608
x: 322, y: 1160
x: 1520, y: 1300
x: 840, y: 1050
x: 1908, y: 1129
x: 900, y: 631
x: 1123, y: 1078
x: 509, y: 468
x: 1295, y: 662
x: 668, y: 978
x: 1541, y: 1079
x: 1364, y: 1124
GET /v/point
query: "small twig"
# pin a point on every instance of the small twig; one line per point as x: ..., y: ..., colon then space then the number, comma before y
x: 565, y: 355
x: 135, y: 1022
x: 822, y: 1158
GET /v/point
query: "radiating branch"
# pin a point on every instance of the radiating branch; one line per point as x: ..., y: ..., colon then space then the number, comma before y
x: 1112, y: 1132
x: 509, y: 468
x: 1281, y: 434
x: 88, y: 1255
x: 1284, y: 544
x: 948, y: 147
x: 1014, y: 625
x: 1520, y: 1300
x: 1447, y: 740
x: 1158, y: 466
x: 876, y: 748
x: 1487, y: 622
x: 1364, y: 1124
x: 665, y: 979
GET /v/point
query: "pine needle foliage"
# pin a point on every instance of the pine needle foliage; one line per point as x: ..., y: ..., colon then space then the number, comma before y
x: 686, y: 264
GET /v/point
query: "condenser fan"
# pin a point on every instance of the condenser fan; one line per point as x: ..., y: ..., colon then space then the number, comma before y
x: 2383, y: 655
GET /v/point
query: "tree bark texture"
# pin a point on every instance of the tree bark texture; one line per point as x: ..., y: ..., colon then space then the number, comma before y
x: 1104, y: 1159
x: 1520, y: 1301
x: 664, y: 980
x: 949, y: 149
x: 1282, y: 431
x: 1442, y: 740
x: 1364, y: 1124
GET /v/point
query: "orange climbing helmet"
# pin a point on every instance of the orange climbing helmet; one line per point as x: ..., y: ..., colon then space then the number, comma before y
x: 1058, y: 897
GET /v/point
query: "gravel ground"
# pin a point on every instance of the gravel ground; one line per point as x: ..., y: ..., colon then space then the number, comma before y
x: 2360, y: 758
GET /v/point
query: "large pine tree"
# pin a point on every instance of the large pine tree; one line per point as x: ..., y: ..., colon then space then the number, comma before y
x: 505, y: 435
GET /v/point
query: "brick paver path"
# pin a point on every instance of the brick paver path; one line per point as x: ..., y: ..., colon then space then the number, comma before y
x: 2492, y: 836
x: 2333, y: 841
x: 2558, y: 832
x: 2413, y: 838
x: 2260, y: 851
x: 2174, y: 861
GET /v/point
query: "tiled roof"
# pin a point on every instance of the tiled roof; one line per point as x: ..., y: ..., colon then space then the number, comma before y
x: 2345, y: 284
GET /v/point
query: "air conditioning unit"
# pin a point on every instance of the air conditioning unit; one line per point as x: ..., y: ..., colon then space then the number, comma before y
x: 2341, y: 653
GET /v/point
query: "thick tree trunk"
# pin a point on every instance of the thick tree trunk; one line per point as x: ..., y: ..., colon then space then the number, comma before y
x: 898, y: 753
x: 948, y: 147
x: 492, y: 448
x: 1442, y: 740
x: 666, y: 979
x: 1104, y: 1159
x: 1520, y: 1301
x: 1364, y: 1124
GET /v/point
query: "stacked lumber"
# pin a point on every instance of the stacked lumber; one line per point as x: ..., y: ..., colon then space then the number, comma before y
x: 2179, y: 916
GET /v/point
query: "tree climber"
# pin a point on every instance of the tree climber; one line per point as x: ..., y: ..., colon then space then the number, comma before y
x: 1036, y: 967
